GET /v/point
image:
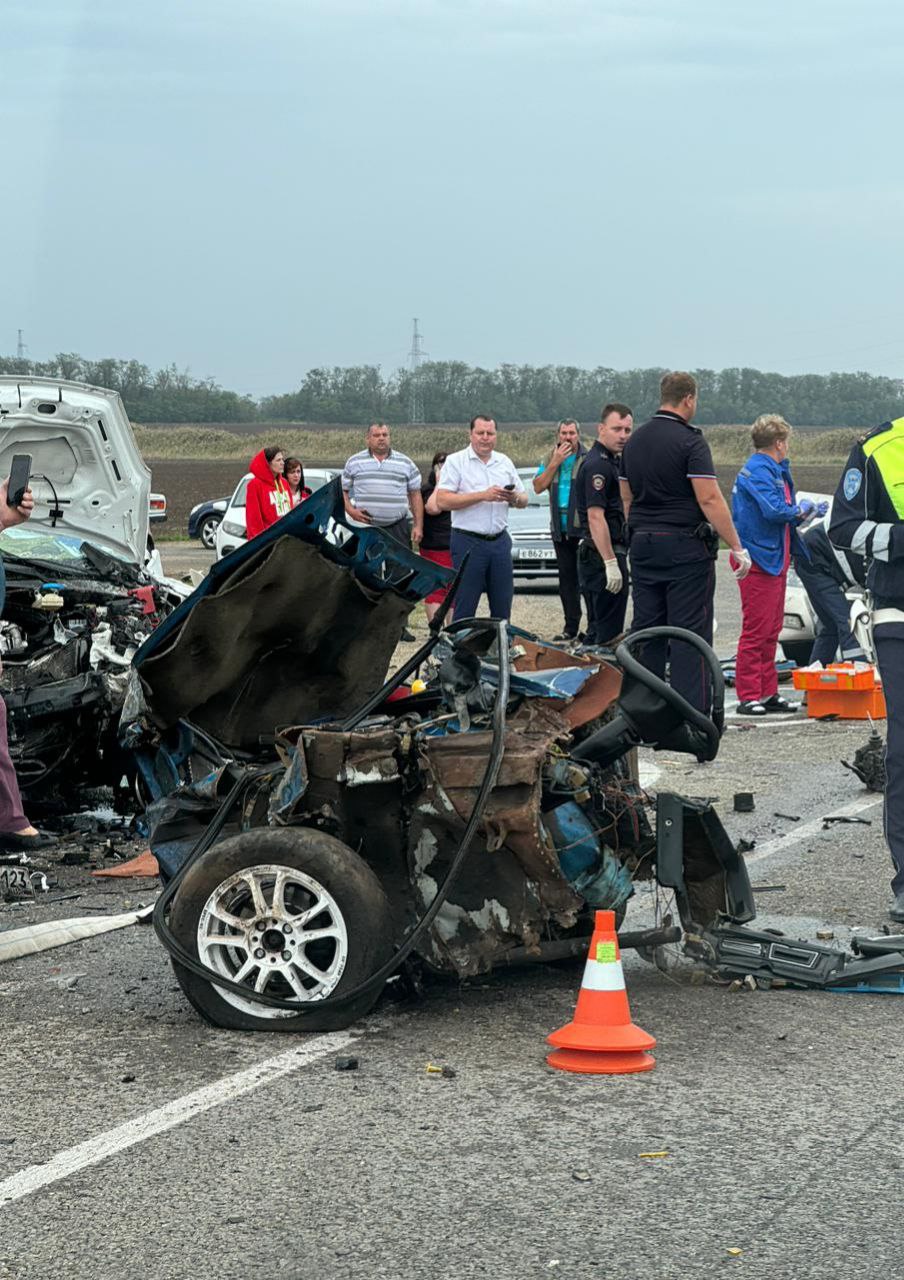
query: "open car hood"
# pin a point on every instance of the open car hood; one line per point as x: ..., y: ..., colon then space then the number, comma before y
x: 296, y: 625
x: 81, y: 443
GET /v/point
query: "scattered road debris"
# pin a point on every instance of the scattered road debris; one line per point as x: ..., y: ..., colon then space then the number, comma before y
x: 825, y: 935
x: 743, y: 802
x: 846, y: 818
x: 869, y: 762
x: 789, y: 817
x: 652, y: 1155
x: 448, y: 1073
x: 64, y: 981
x: 581, y: 1175
x: 744, y: 846
x: 346, y: 1064
x: 769, y: 888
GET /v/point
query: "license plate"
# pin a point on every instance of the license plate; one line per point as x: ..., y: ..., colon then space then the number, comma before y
x: 532, y: 553
x: 15, y: 882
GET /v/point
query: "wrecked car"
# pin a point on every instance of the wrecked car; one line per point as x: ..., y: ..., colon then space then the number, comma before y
x: 315, y: 830
x: 82, y: 590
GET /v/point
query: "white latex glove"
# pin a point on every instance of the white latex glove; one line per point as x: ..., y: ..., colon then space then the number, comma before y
x: 614, y: 579
x: 740, y: 563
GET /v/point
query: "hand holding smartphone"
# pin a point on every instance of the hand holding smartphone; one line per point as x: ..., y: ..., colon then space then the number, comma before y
x: 19, y: 476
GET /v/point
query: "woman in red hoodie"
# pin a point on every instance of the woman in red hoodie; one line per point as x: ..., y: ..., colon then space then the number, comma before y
x: 267, y: 496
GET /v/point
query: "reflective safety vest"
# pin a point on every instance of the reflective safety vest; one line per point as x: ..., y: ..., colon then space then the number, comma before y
x: 887, y: 451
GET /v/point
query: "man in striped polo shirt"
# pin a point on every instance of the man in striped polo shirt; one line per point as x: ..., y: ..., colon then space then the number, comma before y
x: 380, y: 486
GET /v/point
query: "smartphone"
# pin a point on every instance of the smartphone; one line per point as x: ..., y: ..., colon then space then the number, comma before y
x: 19, y: 476
x: 505, y: 486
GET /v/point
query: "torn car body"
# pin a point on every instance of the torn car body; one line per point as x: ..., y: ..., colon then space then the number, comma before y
x: 79, y: 599
x: 303, y: 813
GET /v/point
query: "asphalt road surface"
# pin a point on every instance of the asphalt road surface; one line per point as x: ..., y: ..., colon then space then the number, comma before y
x: 136, y: 1141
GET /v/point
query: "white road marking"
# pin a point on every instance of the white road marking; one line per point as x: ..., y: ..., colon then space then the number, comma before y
x: 808, y: 829
x: 150, y: 1123
x: 783, y: 722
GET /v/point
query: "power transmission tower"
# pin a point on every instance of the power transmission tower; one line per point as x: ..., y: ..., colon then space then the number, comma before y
x: 416, y: 357
x: 20, y: 347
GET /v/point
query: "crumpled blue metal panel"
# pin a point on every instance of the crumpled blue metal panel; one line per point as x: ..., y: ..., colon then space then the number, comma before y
x: 290, y: 788
x: 377, y: 561
x: 556, y: 682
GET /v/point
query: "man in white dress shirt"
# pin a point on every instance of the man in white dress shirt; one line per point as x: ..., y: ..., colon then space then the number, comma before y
x: 478, y: 485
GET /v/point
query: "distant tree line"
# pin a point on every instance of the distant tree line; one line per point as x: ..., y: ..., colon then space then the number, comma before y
x: 165, y: 395
x: 451, y: 391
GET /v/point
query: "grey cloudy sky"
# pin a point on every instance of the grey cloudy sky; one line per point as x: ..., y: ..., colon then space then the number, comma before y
x: 255, y: 187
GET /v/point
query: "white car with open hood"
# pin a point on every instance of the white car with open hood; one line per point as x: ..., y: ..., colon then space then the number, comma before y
x: 82, y: 591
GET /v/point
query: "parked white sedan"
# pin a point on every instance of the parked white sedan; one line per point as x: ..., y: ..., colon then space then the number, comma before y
x: 231, y: 531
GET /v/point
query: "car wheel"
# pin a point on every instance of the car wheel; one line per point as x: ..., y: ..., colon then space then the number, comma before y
x: 798, y: 651
x: 208, y: 532
x: 290, y: 912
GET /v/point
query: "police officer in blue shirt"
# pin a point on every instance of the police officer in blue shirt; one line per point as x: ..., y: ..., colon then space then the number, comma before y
x: 676, y: 516
x: 868, y: 520
x: 556, y: 475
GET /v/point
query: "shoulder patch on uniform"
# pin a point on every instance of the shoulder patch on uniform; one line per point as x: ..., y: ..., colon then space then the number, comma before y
x: 853, y: 479
x: 598, y: 482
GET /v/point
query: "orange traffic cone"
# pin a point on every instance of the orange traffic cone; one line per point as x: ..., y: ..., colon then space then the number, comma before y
x: 602, y: 1039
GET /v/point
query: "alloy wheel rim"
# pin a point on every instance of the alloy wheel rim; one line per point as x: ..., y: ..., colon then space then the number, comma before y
x: 275, y: 930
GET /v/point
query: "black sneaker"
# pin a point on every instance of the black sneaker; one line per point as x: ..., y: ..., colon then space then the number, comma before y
x: 775, y: 704
x: 564, y: 637
x: 750, y: 709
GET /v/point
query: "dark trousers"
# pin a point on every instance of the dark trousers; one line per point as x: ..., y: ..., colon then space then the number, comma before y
x: 889, y: 639
x: 832, y: 608
x: 569, y: 587
x: 605, y: 609
x: 489, y: 571
x: 673, y: 581
x: 399, y: 529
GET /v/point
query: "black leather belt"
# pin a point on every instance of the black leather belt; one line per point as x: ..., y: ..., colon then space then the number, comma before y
x: 484, y: 537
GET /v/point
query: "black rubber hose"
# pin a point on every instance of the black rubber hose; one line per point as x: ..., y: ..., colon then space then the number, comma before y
x: 188, y: 961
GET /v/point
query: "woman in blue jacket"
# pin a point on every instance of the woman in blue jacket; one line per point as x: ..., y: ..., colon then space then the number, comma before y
x: 766, y: 515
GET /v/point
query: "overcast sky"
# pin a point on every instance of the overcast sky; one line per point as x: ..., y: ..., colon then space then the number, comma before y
x: 251, y: 188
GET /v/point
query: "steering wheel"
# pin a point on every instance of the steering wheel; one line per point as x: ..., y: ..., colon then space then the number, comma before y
x: 710, y: 727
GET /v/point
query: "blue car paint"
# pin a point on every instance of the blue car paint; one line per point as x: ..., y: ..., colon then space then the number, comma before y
x: 205, y: 509
x: 367, y: 554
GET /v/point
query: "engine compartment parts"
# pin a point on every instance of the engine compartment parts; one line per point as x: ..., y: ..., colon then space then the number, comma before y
x: 66, y: 648
x: 869, y: 763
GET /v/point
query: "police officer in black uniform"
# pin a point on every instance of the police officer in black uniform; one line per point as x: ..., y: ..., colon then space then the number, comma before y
x: 602, y: 555
x: 868, y: 520
x: 676, y: 516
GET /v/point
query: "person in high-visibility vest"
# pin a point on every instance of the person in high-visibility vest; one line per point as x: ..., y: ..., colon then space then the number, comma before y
x: 868, y: 520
